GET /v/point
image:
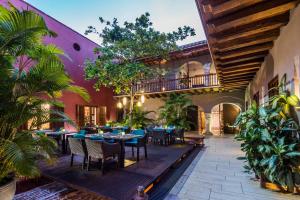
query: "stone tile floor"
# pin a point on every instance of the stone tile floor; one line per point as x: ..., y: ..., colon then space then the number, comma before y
x: 218, y: 175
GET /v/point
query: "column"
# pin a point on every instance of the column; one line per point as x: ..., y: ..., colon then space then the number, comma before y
x: 207, y: 123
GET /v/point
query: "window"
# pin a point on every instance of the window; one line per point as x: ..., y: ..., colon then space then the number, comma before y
x: 256, y: 98
x: 90, y: 115
x: 76, y: 46
x: 36, y: 123
x: 273, y: 87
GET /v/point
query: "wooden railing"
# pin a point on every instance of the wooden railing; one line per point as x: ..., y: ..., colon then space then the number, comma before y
x: 201, y: 81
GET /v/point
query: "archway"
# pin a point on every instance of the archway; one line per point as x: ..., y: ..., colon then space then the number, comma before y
x: 190, y: 69
x: 223, y: 117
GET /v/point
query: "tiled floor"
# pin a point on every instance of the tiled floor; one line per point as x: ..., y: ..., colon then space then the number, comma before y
x: 218, y: 175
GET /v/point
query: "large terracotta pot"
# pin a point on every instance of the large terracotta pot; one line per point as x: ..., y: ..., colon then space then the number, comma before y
x: 7, y: 191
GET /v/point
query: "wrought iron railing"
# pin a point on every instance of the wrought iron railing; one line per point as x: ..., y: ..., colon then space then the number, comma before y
x: 162, y: 85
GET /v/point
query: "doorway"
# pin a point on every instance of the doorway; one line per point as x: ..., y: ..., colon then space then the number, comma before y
x: 223, y: 118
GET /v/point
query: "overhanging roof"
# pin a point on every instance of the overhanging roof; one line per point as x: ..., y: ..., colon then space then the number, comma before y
x: 240, y: 34
x: 184, y: 52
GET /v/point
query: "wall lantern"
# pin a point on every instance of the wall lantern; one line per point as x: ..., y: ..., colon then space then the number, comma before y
x: 143, y: 98
x: 119, y: 105
x: 139, y: 104
x: 124, y: 101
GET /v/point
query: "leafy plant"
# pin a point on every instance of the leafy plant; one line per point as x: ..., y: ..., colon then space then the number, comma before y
x: 139, y: 118
x: 174, y: 111
x: 122, y: 57
x: 31, y: 76
x: 270, y: 140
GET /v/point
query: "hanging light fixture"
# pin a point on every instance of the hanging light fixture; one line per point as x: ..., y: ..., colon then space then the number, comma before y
x: 139, y: 104
x: 143, y: 98
x: 119, y: 105
x: 124, y: 101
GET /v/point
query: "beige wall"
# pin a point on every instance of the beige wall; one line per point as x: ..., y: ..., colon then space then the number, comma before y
x: 282, y: 59
x: 205, y: 102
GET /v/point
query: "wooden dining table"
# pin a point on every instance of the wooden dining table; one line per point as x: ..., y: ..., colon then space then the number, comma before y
x: 63, y: 136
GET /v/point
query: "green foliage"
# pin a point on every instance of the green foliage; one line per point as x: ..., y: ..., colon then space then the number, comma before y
x: 31, y: 76
x: 270, y: 140
x: 124, y: 48
x: 139, y: 118
x: 174, y: 112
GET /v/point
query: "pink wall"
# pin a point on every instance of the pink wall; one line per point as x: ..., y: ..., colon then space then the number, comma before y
x: 74, y: 66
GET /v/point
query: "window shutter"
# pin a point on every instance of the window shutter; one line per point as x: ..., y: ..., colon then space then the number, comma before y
x: 80, y: 115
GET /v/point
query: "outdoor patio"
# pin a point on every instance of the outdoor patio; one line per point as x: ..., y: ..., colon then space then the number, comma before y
x: 120, y: 106
x: 119, y: 183
x: 218, y: 175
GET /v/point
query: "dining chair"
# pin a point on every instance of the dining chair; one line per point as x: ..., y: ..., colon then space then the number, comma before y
x: 160, y: 136
x: 77, y: 147
x: 102, y: 151
x: 179, y: 133
x: 139, y: 142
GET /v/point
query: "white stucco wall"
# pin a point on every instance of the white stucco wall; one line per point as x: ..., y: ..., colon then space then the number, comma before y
x: 282, y: 59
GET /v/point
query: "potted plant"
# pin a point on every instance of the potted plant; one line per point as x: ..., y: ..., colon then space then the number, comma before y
x: 175, y: 110
x: 269, y: 137
x: 31, y: 76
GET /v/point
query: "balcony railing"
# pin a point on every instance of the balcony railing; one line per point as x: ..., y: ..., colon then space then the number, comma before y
x: 201, y: 81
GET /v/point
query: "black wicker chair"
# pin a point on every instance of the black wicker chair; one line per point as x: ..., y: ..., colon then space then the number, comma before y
x: 138, y: 143
x: 159, y: 136
x: 102, y: 151
x: 179, y: 134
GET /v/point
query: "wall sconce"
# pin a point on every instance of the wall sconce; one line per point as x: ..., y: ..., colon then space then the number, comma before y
x: 139, y: 104
x: 119, y: 105
x: 124, y: 101
x: 143, y: 98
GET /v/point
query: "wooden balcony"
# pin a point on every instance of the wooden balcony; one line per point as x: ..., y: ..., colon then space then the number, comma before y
x: 193, y: 85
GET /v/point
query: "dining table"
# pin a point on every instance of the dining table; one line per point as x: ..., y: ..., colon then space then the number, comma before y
x: 121, y: 139
x: 63, y: 136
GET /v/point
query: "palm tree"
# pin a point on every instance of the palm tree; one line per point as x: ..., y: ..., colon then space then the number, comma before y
x: 139, y: 118
x: 31, y: 75
x: 174, y: 112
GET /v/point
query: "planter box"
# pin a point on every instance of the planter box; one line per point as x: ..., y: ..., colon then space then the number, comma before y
x: 275, y: 187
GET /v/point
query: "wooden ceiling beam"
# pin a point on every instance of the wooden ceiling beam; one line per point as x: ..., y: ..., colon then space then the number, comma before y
x: 245, y: 51
x: 227, y: 79
x: 243, y: 58
x: 251, y: 29
x: 237, y: 72
x: 211, y: 3
x: 249, y: 41
x: 257, y: 61
x: 237, y: 79
x: 254, y: 67
x: 261, y: 11
x: 239, y: 84
x: 232, y: 6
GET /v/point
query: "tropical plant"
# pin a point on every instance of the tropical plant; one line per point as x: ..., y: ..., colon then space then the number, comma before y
x: 175, y: 110
x: 31, y: 76
x: 140, y: 118
x: 270, y: 140
x: 121, y: 62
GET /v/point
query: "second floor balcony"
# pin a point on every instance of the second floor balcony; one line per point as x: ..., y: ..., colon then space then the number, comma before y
x: 179, y: 84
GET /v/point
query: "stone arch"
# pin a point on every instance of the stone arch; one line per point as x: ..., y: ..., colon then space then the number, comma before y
x: 207, y: 101
x: 222, y: 118
x: 195, y: 68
